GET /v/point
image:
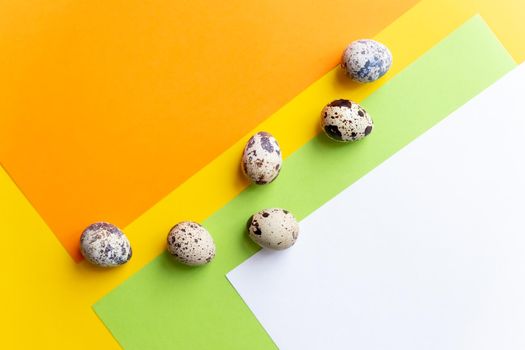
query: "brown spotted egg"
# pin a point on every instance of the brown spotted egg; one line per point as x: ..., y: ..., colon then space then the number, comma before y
x: 345, y: 120
x: 191, y: 244
x: 105, y: 245
x: 273, y: 228
x: 261, y: 159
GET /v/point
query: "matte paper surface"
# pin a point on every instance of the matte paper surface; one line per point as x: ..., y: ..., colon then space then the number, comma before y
x: 99, y: 98
x: 424, y: 252
x: 147, y: 309
x: 221, y: 181
x: 70, y: 289
x: 107, y: 106
x: 48, y: 293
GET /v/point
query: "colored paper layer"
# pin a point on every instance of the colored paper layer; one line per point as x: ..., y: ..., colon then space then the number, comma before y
x: 105, y: 71
x: 297, y: 122
x: 107, y: 106
x: 70, y: 290
x: 423, y: 252
x: 166, y: 305
x: 43, y: 302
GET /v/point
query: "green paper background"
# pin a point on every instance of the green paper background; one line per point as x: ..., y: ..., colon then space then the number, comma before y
x: 169, y: 306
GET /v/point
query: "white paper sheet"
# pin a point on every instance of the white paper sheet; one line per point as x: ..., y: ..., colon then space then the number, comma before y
x: 425, y: 252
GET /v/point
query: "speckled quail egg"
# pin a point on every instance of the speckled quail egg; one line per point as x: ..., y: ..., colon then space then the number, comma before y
x: 191, y: 244
x: 261, y: 159
x: 105, y: 245
x: 366, y: 60
x: 344, y: 120
x: 273, y: 228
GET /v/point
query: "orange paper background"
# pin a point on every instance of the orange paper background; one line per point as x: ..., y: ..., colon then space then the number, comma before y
x: 107, y: 106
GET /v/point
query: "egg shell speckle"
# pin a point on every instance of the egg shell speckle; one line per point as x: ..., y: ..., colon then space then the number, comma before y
x: 273, y: 228
x: 105, y: 245
x: 345, y: 120
x: 262, y: 159
x: 191, y: 244
x: 366, y: 60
